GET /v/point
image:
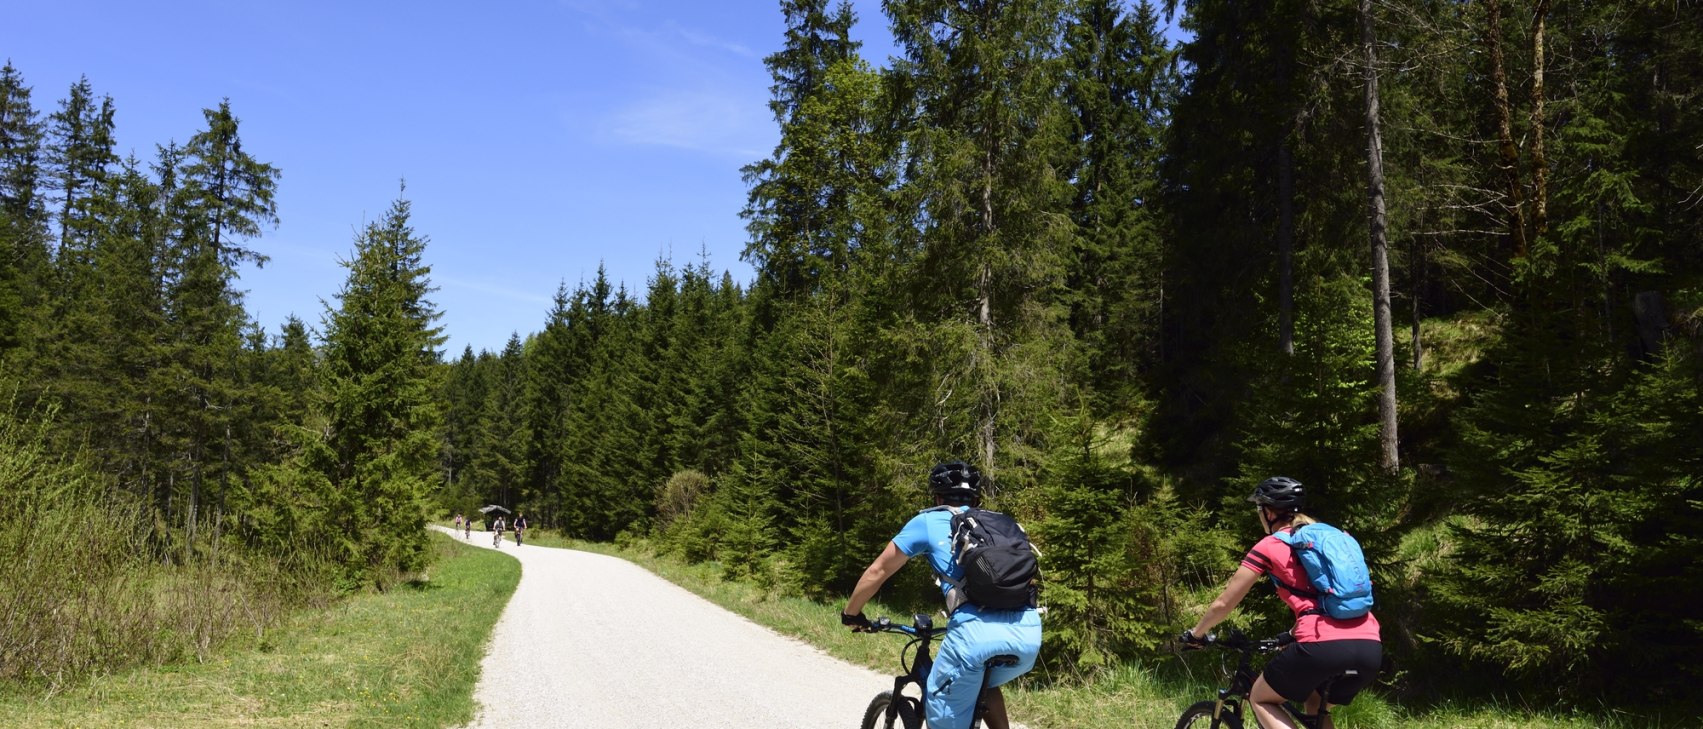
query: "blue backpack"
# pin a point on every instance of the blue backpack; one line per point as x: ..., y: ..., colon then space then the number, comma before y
x: 1336, y: 568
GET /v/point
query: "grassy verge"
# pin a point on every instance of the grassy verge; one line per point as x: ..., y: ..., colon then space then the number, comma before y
x: 409, y: 657
x: 1129, y: 696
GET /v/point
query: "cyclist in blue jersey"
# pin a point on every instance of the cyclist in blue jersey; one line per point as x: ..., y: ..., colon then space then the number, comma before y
x: 975, y: 634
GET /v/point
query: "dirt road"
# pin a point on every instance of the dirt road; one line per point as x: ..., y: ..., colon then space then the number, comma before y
x: 596, y: 642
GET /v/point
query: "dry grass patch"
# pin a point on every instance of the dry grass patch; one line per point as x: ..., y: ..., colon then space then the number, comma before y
x: 407, y: 657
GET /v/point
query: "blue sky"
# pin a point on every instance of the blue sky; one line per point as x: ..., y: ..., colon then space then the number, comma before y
x: 537, y: 138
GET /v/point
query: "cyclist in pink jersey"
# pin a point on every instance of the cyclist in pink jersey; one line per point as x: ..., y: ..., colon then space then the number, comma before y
x: 1346, y: 652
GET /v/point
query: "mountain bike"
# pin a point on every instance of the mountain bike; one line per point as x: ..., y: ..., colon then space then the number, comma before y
x: 895, y: 710
x: 1226, y: 710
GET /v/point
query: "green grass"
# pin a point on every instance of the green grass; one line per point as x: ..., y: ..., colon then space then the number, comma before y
x: 408, y: 657
x: 1128, y: 696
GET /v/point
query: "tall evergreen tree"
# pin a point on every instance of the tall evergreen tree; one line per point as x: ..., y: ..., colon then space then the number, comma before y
x: 231, y: 192
x: 23, y: 212
x: 1119, y: 82
x: 380, y: 451
x: 80, y: 157
x: 500, y: 439
x: 220, y: 195
x: 795, y: 194
x: 984, y: 147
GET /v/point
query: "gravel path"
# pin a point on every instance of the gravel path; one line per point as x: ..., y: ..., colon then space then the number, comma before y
x: 598, y: 642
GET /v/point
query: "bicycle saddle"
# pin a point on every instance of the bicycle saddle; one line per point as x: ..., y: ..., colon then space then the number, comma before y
x: 1005, y: 661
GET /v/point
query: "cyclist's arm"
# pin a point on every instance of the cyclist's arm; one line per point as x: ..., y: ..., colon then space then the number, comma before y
x: 874, y: 576
x: 1232, y: 595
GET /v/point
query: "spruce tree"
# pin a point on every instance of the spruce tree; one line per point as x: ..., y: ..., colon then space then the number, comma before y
x: 383, y: 432
x: 985, y: 144
x: 549, y: 372
x: 220, y: 196
x: 232, y: 193
x: 798, y: 196
x: 79, y: 159
x: 24, y: 262
x: 500, y: 439
x: 1119, y: 82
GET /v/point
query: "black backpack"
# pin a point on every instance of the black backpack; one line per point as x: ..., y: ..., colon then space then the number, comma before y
x: 999, y: 564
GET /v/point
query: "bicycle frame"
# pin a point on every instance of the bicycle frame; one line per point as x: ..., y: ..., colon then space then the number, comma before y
x: 1232, y: 697
x: 922, y: 635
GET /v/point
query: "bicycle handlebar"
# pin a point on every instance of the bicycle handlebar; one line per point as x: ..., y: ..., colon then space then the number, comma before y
x: 1236, y: 641
x: 923, y: 628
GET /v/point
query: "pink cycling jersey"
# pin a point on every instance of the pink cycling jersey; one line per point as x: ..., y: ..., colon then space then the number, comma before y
x: 1271, y: 556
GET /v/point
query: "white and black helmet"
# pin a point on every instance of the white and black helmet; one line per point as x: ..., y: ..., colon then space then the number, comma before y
x: 956, y: 481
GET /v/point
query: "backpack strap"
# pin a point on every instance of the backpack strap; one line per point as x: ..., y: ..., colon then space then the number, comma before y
x: 1293, y: 589
x: 955, y: 597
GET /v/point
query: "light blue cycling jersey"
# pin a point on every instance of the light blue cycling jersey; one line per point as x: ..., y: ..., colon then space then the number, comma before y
x: 930, y: 533
x: 975, y: 636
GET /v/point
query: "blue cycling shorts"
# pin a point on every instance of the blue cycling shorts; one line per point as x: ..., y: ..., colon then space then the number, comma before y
x: 976, y: 637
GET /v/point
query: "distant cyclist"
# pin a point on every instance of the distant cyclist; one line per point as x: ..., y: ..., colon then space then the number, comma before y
x: 519, y: 528
x: 497, y: 532
x: 1348, y: 651
x: 975, y: 635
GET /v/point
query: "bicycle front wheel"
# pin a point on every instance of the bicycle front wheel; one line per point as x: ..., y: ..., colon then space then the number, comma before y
x: 1199, y: 716
x: 875, y: 717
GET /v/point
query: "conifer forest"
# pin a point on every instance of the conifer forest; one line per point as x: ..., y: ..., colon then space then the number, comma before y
x: 1440, y: 260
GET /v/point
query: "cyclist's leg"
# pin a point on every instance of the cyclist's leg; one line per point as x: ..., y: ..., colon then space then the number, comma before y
x: 994, y: 716
x: 965, y: 652
x: 1268, y: 706
x: 953, y: 682
x: 1358, y: 664
x: 1317, y: 707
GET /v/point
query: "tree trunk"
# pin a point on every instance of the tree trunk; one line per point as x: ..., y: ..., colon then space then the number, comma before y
x: 984, y: 292
x: 1540, y: 163
x: 1418, y: 266
x: 1389, y: 458
x: 1505, y: 129
x: 1286, y: 248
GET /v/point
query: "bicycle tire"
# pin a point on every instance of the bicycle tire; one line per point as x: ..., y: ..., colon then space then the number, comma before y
x: 1199, y: 716
x: 875, y: 717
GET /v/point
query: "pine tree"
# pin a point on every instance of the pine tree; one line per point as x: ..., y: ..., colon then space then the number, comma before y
x: 129, y: 261
x: 464, y: 391
x: 232, y: 193
x: 983, y: 153
x: 550, y: 372
x: 380, y: 452
x: 500, y: 439
x: 24, y: 262
x: 1119, y: 82
x: 221, y: 195
x: 80, y: 157
x: 794, y: 198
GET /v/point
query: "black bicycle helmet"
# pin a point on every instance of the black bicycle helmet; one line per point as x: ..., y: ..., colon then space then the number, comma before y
x: 1280, y: 492
x: 956, y: 482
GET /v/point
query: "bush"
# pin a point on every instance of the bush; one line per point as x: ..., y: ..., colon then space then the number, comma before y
x: 88, y: 590
x: 680, y: 495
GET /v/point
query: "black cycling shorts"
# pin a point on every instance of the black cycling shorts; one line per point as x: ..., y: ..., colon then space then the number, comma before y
x: 1301, y: 668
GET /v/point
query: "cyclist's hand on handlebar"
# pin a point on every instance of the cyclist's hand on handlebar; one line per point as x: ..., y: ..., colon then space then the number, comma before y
x: 858, y: 623
x: 1189, y: 640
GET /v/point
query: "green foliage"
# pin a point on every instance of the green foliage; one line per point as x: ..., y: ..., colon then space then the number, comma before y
x: 379, y: 452
x: 680, y: 496
x: 89, y: 592
x: 1313, y: 414
x: 1118, y: 551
